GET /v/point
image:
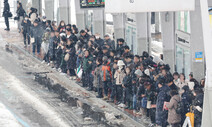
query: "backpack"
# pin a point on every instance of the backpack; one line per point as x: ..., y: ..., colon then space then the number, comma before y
x: 180, y: 107
x: 106, y: 73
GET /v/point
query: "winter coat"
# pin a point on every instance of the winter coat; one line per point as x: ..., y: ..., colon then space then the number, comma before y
x: 52, y: 47
x: 120, y: 50
x: 99, y: 42
x: 97, y: 77
x: 84, y: 39
x: 36, y: 32
x: 26, y: 26
x: 6, y: 9
x: 174, y: 87
x: 110, y: 42
x: 106, y: 73
x: 86, y: 66
x: 71, y: 63
x: 20, y: 12
x: 198, y: 101
x: 163, y: 96
x: 187, y: 101
x: 151, y: 95
x: 173, y: 117
x: 127, y: 82
x: 119, y: 76
x: 45, y: 38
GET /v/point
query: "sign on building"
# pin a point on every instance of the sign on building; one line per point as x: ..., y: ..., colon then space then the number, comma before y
x: 121, y: 6
x: 198, y: 57
x: 92, y: 3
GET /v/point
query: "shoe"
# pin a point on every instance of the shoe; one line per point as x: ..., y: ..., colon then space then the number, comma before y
x: 7, y: 29
x: 99, y: 96
x: 110, y: 100
x: 89, y: 89
x: 59, y: 69
x: 126, y: 107
x: 43, y: 62
x: 121, y: 105
x: 48, y: 64
x: 105, y: 98
x: 117, y: 103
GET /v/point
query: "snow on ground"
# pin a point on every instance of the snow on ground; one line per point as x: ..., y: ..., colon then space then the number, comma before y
x: 32, y: 98
x: 7, y: 119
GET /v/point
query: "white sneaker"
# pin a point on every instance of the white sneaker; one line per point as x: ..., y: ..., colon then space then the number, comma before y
x: 121, y: 105
x: 48, y: 64
x: 43, y: 62
x: 59, y: 69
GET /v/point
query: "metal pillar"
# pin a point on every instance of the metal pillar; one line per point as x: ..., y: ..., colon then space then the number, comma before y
x: 98, y: 22
x: 63, y: 9
x: 168, y: 36
x: 207, y: 37
x: 80, y: 18
x: 143, y: 22
x: 197, y: 40
x: 49, y: 9
x: 119, y: 25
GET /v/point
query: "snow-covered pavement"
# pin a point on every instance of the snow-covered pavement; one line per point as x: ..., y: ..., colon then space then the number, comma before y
x: 7, y: 118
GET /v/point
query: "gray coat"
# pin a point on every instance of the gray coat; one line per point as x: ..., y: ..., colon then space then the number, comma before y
x: 97, y: 77
x: 173, y: 117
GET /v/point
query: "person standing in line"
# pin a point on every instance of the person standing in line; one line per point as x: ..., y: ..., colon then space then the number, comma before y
x: 20, y: 13
x: 6, y: 14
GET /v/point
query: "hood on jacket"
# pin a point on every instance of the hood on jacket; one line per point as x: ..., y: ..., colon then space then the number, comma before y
x: 5, y: 1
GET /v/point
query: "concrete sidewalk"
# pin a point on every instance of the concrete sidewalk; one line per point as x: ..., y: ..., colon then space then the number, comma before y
x: 68, y: 89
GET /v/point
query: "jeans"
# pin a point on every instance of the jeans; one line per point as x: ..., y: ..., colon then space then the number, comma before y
x: 134, y: 102
x: 36, y: 44
x: 26, y: 36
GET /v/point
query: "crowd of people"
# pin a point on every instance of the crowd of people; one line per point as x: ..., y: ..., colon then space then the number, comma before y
x: 133, y: 82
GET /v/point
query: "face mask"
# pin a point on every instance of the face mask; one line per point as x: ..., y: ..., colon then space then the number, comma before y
x: 26, y: 18
x: 62, y: 24
x: 120, y: 68
x: 97, y: 37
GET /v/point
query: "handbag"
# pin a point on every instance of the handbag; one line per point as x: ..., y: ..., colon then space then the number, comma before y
x: 66, y: 58
x: 16, y: 18
x: 79, y: 72
x: 10, y: 14
x: 32, y: 40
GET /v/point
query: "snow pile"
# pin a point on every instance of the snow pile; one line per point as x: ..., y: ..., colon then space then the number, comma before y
x: 6, y: 118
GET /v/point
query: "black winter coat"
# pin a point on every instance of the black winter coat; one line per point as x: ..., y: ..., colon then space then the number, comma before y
x: 163, y: 96
x: 36, y: 31
x: 20, y: 12
x: 71, y: 63
x: 6, y: 9
x: 198, y: 101
x: 26, y: 26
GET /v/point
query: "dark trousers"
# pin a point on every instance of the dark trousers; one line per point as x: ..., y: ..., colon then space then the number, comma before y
x: 72, y: 72
x: 36, y: 44
x: 107, y: 85
x: 6, y: 19
x: 87, y: 80
x: 152, y: 114
x: 175, y: 125
x: 99, y: 90
x: 46, y: 57
x: 119, y: 94
x: 26, y: 37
